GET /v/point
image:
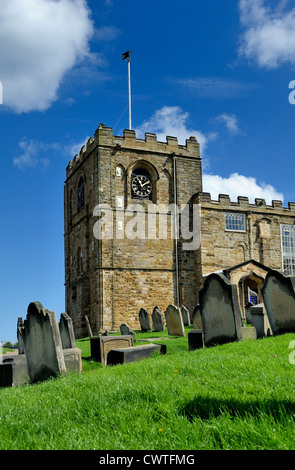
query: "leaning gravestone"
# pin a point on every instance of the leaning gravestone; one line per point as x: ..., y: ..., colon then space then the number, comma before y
x: 185, y: 315
x: 220, y: 311
x: 158, y: 319
x: 278, y: 294
x: 66, y: 331
x: 144, y: 318
x: 174, y: 321
x: 42, y: 343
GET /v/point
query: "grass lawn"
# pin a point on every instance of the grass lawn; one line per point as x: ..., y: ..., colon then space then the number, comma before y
x: 235, y: 396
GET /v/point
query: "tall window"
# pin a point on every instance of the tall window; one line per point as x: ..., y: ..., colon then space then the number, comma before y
x: 235, y: 222
x: 288, y: 249
x: 81, y: 193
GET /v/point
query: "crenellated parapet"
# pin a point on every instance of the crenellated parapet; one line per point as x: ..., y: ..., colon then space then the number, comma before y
x: 224, y: 202
x: 104, y: 137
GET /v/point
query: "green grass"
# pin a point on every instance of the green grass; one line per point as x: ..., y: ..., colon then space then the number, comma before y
x: 235, y: 396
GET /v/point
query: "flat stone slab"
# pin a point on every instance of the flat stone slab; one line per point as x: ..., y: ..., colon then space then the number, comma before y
x: 100, y: 346
x: 134, y: 353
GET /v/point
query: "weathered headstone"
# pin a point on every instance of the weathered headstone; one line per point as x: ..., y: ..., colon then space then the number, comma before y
x: 220, y: 311
x: 42, y: 343
x: 126, y: 330
x: 185, y: 315
x: 158, y: 319
x: 66, y: 331
x: 144, y: 318
x: 19, y: 329
x: 196, y: 317
x: 174, y: 321
x: 278, y: 293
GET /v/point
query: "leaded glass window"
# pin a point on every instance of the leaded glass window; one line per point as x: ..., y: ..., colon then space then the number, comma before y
x: 288, y: 249
x: 235, y: 222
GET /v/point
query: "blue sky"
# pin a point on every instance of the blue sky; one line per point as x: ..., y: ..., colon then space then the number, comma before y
x: 216, y: 69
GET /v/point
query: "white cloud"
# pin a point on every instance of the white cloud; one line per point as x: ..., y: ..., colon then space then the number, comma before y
x: 30, y: 158
x: 36, y: 153
x: 40, y: 40
x: 238, y: 185
x: 230, y: 121
x: 172, y: 121
x: 269, y: 35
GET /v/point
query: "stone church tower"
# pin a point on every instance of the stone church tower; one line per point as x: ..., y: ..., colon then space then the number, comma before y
x: 109, y: 279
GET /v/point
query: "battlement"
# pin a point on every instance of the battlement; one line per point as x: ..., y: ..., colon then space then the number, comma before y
x: 104, y: 137
x: 242, y: 204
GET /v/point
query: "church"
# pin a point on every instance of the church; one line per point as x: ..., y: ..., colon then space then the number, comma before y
x: 140, y: 232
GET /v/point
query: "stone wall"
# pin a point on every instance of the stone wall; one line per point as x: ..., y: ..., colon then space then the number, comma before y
x: 261, y: 241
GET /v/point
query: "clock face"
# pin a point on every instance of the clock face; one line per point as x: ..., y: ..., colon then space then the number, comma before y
x: 141, y: 186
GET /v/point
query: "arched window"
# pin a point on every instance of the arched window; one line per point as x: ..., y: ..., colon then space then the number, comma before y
x: 81, y: 193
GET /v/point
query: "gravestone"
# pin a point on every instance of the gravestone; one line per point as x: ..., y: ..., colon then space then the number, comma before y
x: 158, y: 319
x: 66, y: 331
x: 185, y: 315
x: 220, y: 311
x: 144, y: 318
x: 278, y: 293
x: 42, y: 343
x: 196, y: 317
x: 260, y: 321
x: 20, y: 325
x: 174, y: 321
x: 126, y: 330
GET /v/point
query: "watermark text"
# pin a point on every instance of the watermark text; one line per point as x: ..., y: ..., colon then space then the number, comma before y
x: 154, y: 222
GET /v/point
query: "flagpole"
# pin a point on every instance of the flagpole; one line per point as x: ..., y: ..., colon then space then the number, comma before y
x: 129, y: 91
x: 126, y: 55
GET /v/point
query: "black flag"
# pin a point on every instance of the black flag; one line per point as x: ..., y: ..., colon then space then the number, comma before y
x: 125, y: 55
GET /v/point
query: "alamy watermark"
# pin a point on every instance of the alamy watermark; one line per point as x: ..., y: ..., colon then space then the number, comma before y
x: 292, y: 94
x: 156, y: 222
